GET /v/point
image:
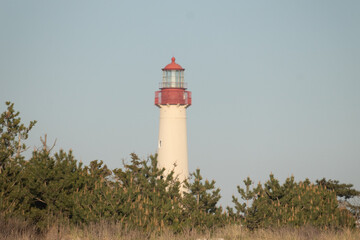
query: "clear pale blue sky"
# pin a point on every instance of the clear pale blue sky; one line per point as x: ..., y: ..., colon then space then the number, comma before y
x: 276, y: 84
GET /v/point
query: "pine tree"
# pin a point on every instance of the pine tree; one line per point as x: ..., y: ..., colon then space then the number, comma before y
x: 150, y: 199
x: 342, y: 190
x: 12, y: 135
x: 12, y: 132
x: 294, y: 204
x: 200, y: 202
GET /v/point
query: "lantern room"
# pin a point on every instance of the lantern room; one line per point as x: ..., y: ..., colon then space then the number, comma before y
x: 173, y: 86
x: 173, y: 76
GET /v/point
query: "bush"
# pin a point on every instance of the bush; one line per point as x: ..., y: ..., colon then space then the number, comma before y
x: 56, y: 187
x: 50, y: 188
x: 293, y: 204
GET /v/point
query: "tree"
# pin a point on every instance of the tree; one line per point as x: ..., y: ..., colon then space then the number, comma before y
x: 200, y: 201
x: 12, y: 132
x: 149, y: 199
x: 247, y: 195
x: 345, y: 193
x: 294, y: 204
x: 341, y: 190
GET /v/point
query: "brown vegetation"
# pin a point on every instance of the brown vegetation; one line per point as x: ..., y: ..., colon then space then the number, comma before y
x: 14, y: 229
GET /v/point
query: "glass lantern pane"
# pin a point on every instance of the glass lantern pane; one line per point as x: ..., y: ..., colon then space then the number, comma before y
x: 173, y: 79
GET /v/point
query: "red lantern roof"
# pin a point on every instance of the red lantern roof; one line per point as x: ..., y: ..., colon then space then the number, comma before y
x: 173, y: 65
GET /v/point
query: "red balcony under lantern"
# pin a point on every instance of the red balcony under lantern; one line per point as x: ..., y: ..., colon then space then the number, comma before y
x: 173, y: 97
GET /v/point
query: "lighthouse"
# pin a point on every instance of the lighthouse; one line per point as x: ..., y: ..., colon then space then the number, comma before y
x: 173, y: 100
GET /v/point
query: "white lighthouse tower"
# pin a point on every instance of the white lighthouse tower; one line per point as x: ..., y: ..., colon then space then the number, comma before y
x: 173, y: 99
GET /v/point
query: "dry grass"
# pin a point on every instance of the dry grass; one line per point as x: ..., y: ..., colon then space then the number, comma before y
x: 17, y: 230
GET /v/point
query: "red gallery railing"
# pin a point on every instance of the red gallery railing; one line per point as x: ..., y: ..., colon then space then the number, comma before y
x: 173, y: 97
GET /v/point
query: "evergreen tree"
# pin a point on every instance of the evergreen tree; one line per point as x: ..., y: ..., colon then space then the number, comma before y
x: 341, y: 190
x: 46, y: 187
x: 12, y: 134
x: 200, y: 201
x: 345, y: 193
x: 50, y: 188
x: 294, y: 204
x: 93, y: 194
x: 149, y: 200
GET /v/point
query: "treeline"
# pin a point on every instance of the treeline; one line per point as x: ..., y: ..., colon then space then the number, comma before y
x: 53, y: 188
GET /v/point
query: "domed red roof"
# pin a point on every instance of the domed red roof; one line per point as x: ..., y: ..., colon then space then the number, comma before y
x: 173, y: 65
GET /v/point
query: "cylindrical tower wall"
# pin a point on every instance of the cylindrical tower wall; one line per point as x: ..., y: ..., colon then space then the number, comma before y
x: 172, y: 144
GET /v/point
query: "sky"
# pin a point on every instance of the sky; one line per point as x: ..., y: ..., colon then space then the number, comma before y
x: 275, y: 84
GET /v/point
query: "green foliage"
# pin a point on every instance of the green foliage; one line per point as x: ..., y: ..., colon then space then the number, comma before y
x: 50, y: 188
x: 345, y: 193
x: 45, y: 187
x: 12, y: 131
x: 293, y: 204
x: 200, y: 200
x: 149, y: 199
x: 341, y: 190
x: 55, y: 187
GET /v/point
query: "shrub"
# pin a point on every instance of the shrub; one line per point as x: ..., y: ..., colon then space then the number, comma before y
x: 294, y: 204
